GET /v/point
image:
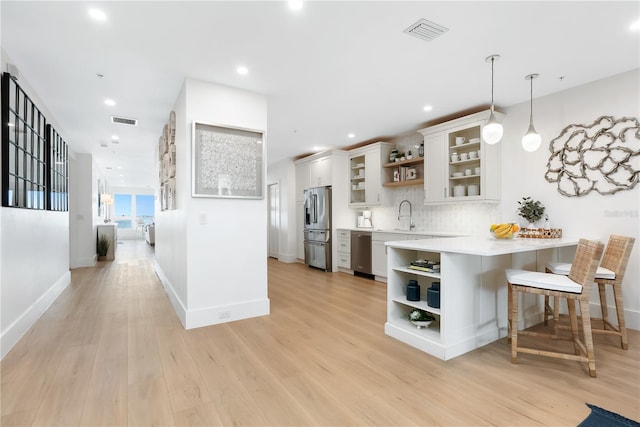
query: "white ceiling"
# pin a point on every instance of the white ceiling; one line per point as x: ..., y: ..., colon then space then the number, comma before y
x: 330, y: 69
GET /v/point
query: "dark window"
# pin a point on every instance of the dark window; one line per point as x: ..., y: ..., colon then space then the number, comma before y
x: 30, y: 150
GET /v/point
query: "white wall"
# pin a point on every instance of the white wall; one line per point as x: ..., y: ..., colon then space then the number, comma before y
x: 284, y: 174
x: 225, y: 239
x: 83, y: 210
x: 592, y: 216
x: 34, y: 248
x: 171, y: 225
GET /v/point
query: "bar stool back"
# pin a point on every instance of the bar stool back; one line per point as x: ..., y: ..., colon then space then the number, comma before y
x: 574, y: 287
x: 611, y: 272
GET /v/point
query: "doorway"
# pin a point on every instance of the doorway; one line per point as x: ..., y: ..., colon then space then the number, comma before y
x: 274, y: 219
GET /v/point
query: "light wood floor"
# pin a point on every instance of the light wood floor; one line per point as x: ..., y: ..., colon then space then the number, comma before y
x: 111, y: 351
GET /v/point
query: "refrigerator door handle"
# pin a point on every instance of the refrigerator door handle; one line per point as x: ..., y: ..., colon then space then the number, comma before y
x: 314, y: 204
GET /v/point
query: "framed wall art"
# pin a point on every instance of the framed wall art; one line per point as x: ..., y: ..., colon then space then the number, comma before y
x: 227, y: 162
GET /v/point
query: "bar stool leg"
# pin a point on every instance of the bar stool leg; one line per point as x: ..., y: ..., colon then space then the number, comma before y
x: 547, y: 311
x: 509, y: 307
x: 556, y: 315
x: 514, y: 325
x: 617, y: 294
x: 574, y: 325
x: 588, y: 337
x: 602, y: 291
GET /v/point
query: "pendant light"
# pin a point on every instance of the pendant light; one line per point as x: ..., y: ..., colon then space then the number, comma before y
x: 532, y: 139
x: 492, y: 131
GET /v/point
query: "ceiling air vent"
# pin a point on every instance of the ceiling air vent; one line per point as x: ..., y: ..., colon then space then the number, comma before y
x: 426, y: 30
x: 124, y: 121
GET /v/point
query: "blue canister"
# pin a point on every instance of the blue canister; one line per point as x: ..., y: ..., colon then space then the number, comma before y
x: 433, y: 295
x: 413, y: 291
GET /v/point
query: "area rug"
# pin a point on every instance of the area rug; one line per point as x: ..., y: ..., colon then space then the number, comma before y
x: 602, y: 418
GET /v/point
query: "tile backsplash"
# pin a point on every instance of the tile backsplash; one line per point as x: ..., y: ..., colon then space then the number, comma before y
x: 473, y: 218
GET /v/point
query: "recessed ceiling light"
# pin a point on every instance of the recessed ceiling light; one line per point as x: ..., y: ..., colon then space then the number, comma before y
x: 115, y: 137
x: 119, y: 167
x: 351, y: 135
x: 295, y: 4
x: 110, y: 102
x: 97, y: 15
x: 428, y: 108
x: 243, y: 71
x: 635, y: 26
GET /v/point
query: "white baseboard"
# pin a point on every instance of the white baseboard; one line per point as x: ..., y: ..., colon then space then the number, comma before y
x: 12, y: 334
x: 177, y: 304
x: 631, y: 318
x: 85, y: 262
x: 287, y: 258
x: 227, y: 313
x: 211, y: 315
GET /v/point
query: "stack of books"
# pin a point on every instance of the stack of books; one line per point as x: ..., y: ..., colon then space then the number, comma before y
x: 425, y: 265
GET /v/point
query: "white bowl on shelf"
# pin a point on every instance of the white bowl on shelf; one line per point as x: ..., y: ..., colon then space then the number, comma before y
x: 422, y: 323
x: 457, y: 174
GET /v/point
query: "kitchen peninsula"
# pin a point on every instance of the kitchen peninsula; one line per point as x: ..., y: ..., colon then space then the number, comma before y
x: 473, y: 292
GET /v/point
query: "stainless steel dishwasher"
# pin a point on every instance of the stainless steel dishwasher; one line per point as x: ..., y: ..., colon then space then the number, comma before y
x: 361, y: 252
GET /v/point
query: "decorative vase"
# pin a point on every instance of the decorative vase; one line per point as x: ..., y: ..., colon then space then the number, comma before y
x: 393, y: 155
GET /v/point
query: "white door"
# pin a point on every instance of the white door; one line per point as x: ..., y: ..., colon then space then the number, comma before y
x: 274, y: 219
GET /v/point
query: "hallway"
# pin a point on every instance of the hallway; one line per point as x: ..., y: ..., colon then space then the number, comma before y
x: 111, y: 351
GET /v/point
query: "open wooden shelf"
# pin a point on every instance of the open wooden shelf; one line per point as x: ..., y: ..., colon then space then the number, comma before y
x: 404, y: 163
x: 403, y: 183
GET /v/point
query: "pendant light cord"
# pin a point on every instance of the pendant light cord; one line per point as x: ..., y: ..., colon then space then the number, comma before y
x: 492, y: 60
x: 531, y: 103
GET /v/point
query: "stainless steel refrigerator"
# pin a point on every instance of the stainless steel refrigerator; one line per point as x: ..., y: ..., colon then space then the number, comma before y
x: 317, y: 228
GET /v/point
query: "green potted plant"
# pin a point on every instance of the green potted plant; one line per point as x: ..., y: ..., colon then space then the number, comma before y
x: 531, y: 210
x: 421, y: 318
x: 102, y: 246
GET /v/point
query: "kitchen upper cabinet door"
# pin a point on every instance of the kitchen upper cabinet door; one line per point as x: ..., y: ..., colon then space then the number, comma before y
x: 302, y: 180
x: 320, y: 172
x: 372, y: 173
x: 435, y: 189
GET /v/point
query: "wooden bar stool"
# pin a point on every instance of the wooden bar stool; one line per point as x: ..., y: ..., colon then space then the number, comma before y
x: 574, y: 287
x: 611, y: 272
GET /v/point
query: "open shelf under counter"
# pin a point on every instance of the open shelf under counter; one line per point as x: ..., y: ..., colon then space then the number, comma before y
x: 417, y: 272
x: 420, y: 305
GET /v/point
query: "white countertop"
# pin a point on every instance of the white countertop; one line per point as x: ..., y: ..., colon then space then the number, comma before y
x: 483, y: 246
x: 398, y: 231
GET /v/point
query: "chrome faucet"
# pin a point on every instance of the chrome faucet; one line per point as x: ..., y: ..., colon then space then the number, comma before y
x: 411, y: 225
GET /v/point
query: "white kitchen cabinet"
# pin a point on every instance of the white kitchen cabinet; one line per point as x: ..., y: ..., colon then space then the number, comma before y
x: 366, y: 175
x: 379, y: 254
x: 302, y: 180
x: 344, y: 249
x: 320, y: 172
x: 460, y: 167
